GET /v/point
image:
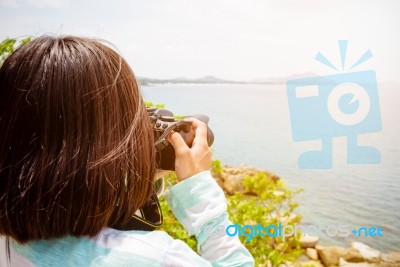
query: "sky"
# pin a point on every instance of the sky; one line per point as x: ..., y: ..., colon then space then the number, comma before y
x: 231, y: 39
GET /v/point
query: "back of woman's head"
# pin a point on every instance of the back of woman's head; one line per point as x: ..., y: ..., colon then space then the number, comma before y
x: 76, y: 145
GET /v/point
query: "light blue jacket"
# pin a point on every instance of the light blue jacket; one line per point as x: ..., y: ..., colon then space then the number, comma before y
x: 197, y: 202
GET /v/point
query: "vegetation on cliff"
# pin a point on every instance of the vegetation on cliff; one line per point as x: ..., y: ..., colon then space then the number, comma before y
x: 262, y: 198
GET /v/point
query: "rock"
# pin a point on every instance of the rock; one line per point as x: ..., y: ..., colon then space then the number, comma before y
x: 312, y: 253
x: 330, y: 255
x: 288, y: 264
x: 392, y: 257
x: 311, y: 263
x: 367, y: 252
x: 308, y: 241
x: 303, y: 258
x: 231, y: 178
x: 352, y: 255
x: 344, y: 263
x: 233, y: 184
x: 387, y: 264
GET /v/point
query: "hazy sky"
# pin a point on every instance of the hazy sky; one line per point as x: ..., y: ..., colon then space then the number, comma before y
x: 237, y: 40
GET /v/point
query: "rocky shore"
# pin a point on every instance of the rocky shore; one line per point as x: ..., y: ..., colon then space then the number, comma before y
x: 358, y: 254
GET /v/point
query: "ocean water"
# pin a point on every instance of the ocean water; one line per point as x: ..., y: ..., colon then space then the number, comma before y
x: 251, y: 126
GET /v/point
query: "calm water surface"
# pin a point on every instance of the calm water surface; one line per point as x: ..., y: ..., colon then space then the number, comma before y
x: 251, y: 126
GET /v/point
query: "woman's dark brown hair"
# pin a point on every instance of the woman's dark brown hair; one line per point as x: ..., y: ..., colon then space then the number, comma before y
x: 76, y: 144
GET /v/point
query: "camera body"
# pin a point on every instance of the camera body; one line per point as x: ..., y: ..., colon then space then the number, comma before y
x: 164, y: 122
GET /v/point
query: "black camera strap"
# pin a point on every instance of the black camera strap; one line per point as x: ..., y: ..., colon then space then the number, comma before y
x: 149, y: 219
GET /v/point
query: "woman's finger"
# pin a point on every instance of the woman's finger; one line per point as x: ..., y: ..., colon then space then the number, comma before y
x: 178, y: 143
x: 200, y: 129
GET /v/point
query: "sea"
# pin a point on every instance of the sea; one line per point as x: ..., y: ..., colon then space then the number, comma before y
x: 252, y: 127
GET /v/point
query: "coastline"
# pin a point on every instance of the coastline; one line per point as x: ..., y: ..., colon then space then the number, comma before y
x: 356, y: 254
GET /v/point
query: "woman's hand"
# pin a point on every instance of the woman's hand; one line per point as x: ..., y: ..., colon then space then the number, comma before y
x: 191, y: 160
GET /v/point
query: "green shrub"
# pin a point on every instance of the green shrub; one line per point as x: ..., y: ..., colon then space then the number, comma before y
x: 216, y: 167
x: 268, y: 203
x: 264, y: 201
x: 151, y: 104
x: 7, y: 46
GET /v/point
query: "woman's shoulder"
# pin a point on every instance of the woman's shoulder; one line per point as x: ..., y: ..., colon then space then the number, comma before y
x: 148, y: 246
x: 109, y: 248
x: 130, y: 241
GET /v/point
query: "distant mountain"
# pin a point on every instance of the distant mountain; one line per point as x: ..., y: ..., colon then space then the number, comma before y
x: 282, y: 80
x: 212, y: 79
x: 205, y: 79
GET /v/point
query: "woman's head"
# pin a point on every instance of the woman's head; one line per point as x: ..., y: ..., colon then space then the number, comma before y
x: 76, y: 149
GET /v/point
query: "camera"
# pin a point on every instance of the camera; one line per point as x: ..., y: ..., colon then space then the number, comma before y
x: 164, y: 122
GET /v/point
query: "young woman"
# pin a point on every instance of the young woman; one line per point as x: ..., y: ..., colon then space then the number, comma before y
x: 77, y: 160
